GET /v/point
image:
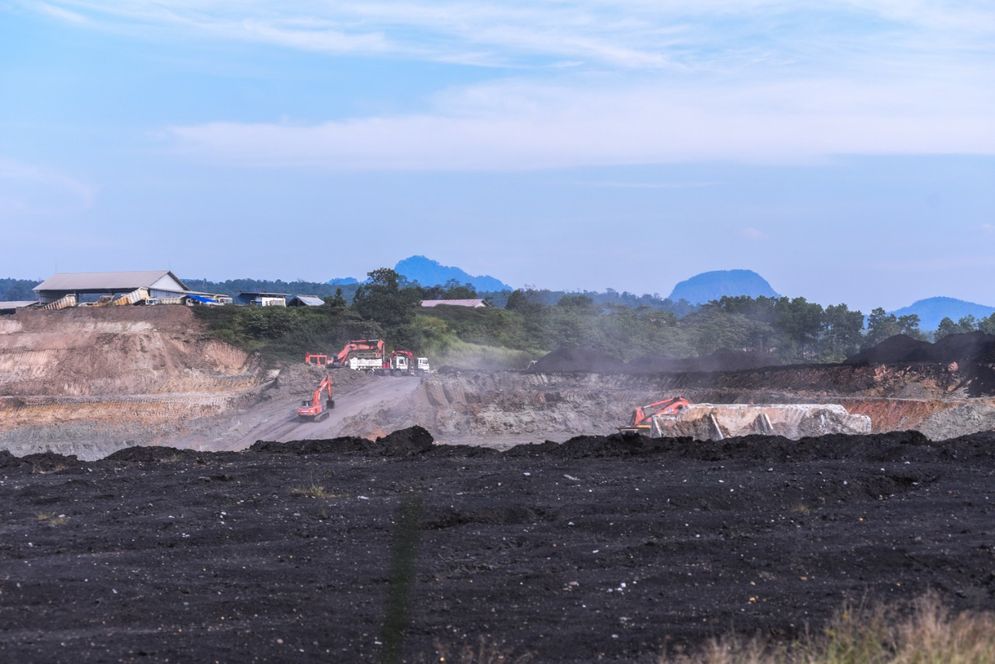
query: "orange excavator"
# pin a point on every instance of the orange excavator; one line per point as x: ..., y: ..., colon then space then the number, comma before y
x: 642, y: 417
x: 369, y: 354
x: 314, y: 410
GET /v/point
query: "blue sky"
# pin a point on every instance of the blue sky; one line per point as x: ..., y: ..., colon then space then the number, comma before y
x: 843, y: 149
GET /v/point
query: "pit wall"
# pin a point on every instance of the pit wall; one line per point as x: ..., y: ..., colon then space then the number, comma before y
x: 87, y: 379
x: 478, y: 404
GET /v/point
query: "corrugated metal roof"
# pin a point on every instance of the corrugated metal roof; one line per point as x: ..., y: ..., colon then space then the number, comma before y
x: 17, y: 304
x: 310, y: 300
x: 105, y: 281
x: 453, y: 303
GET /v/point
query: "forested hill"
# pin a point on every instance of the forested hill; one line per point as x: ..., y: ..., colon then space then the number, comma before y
x: 17, y: 289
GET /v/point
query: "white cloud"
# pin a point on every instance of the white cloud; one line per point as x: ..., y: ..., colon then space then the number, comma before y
x: 750, y: 233
x: 61, y: 13
x: 33, y: 190
x: 514, y: 125
x: 637, y: 34
x: 606, y: 82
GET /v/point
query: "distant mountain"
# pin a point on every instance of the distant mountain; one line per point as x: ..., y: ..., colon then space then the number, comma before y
x: 428, y: 272
x: 709, y: 286
x: 343, y: 281
x: 934, y: 309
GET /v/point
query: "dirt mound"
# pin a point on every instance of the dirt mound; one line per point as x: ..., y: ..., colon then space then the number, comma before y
x: 404, y: 442
x: 151, y: 454
x: 587, y: 360
x: 720, y: 360
x: 49, y: 462
x: 413, y: 440
x: 578, y: 360
x: 972, y: 347
x: 343, y: 445
x: 8, y: 460
x: 899, y: 348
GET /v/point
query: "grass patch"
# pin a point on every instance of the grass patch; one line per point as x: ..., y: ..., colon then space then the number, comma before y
x: 924, y: 633
x: 311, y: 491
x: 484, y: 652
x: 50, y: 519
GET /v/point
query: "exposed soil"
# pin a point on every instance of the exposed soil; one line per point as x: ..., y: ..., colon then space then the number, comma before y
x: 89, y: 381
x: 607, y: 549
x: 92, y: 381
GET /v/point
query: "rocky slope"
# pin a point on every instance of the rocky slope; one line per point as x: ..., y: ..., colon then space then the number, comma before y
x: 90, y: 380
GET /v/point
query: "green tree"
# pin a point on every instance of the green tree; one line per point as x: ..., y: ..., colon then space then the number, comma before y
x: 576, y: 302
x: 966, y: 324
x: 909, y: 324
x: 946, y: 327
x: 987, y: 325
x: 842, y: 332
x: 382, y: 300
x: 336, y: 301
x: 880, y: 326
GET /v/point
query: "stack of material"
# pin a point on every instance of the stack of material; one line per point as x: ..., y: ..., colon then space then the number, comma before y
x: 706, y: 421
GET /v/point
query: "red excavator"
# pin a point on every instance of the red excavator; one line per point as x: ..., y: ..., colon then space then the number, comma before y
x: 314, y: 410
x: 316, y: 359
x: 642, y: 417
x: 369, y: 354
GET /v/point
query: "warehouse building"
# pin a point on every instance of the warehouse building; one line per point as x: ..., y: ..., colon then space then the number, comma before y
x: 160, y: 284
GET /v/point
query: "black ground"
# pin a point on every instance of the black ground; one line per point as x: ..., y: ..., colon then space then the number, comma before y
x: 597, y: 549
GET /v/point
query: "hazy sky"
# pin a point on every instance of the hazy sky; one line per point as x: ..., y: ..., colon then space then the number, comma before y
x: 843, y: 149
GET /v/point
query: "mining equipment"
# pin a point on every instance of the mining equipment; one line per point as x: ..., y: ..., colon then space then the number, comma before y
x: 404, y: 362
x: 317, y: 359
x: 642, y: 416
x: 314, y: 410
x: 677, y: 417
x: 361, y: 355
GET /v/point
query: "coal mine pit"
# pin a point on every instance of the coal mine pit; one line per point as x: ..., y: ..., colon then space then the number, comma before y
x: 597, y: 549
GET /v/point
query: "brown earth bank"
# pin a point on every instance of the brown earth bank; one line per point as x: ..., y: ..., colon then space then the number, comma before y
x: 91, y: 381
x: 599, y: 549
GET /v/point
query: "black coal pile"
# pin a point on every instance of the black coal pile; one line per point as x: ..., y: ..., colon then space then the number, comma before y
x: 972, y: 347
x: 589, y: 360
x: 536, y: 554
x: 578, y: 360
x: 720, y: 360
x: 405, y: 442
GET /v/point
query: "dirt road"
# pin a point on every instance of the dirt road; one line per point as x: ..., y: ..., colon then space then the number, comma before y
x: 274, y: 418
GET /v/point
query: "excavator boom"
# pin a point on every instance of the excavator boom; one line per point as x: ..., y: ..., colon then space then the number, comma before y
x: 642, y: 417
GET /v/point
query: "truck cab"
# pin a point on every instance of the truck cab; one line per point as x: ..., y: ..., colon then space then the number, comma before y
x: 423, y: 364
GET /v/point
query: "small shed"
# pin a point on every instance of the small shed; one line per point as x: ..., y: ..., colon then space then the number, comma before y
x: 258, y: 299
x: 305, y: 301
x: 10, y: 307
x: 469, y: 304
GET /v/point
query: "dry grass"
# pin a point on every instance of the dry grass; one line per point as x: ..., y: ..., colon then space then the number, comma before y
x: 50, y: 519
x: 311, y: 491
x: 485, y: 652
x: 928, y: 634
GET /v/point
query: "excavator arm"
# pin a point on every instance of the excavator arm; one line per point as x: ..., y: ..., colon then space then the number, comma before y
x: 643, y: 415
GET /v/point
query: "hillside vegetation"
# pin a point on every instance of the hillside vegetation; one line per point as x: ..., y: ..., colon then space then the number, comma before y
x: 528, y: 325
